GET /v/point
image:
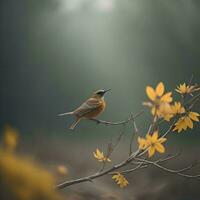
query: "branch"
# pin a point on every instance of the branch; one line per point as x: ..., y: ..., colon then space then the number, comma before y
x: 134, y: 156
x: 98, y: 174
x: 110, y: 150
x: 143, y: 163
x: 98, y: 121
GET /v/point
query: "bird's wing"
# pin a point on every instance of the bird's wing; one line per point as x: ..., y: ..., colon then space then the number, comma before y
x: 87, y: 107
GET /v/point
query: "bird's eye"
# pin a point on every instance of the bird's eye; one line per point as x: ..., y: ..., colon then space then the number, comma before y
x: 100, y: 92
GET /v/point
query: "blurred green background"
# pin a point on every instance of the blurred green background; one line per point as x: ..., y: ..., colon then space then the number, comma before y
x: 55, y: 53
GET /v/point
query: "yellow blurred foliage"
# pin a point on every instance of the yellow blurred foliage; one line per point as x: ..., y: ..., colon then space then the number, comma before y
x: 62, y: 170
x: 10, y: 139
x: 26, y: 180
x: 21, y: 177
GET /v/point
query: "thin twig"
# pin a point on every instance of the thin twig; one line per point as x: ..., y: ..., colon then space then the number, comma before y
x: 111, y: 147
x: 179, y: 172
x: 141, y: 165
x: 192, y: 99
x: 135, y: 132
x: 169, y: 157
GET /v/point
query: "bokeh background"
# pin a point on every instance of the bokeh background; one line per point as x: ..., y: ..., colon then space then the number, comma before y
x: 55, y: 53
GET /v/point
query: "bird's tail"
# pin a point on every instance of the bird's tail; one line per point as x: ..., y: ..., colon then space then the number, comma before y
x: 67, y: 113
x: 75, y: 123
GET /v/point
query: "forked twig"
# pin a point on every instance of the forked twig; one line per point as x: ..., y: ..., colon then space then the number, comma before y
x: 179, y: 172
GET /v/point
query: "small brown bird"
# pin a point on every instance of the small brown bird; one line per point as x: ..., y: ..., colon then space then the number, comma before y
x: 90, y: 109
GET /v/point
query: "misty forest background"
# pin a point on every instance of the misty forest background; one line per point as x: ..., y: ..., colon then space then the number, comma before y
x: 55, y: 53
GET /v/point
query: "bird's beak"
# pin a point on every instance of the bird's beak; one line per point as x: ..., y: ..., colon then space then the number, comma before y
x: 106, y: 90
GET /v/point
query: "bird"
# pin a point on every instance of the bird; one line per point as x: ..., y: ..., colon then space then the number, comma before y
x: 89, y: 109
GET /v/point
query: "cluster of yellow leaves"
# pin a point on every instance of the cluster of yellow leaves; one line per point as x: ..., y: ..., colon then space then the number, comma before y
x: 21, y: 177
x: 186, y: 121
x: 152, y: 143
x: 100, y: 156
x: 172, y: 110
x: 177, y: 108
x: 162, y: 107
x: 120, y: 180
x: 185, y: 89
x: 159, y: 102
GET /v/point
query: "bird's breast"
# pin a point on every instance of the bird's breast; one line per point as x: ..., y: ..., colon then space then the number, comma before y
x: 97, y: 111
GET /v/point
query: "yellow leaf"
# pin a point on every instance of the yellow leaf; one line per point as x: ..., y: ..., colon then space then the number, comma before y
x: 166, y: 98
x: 177, y: 108
x: 185, y: 89
x: 189, y: 122
x: 160, y: 89
x: 151, y: 93
x: 155, y: 136
x: 151, y: 151
x: 154, y: 143
x: 160, y: 148
x: 183, y: 123
x: 194, y: 116
x: 142, y: 143
x: 100, y: 156
x: 161, y: 140
x: 120, y: 180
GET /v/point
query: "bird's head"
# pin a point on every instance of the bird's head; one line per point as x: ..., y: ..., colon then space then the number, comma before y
x: 100, y: 93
